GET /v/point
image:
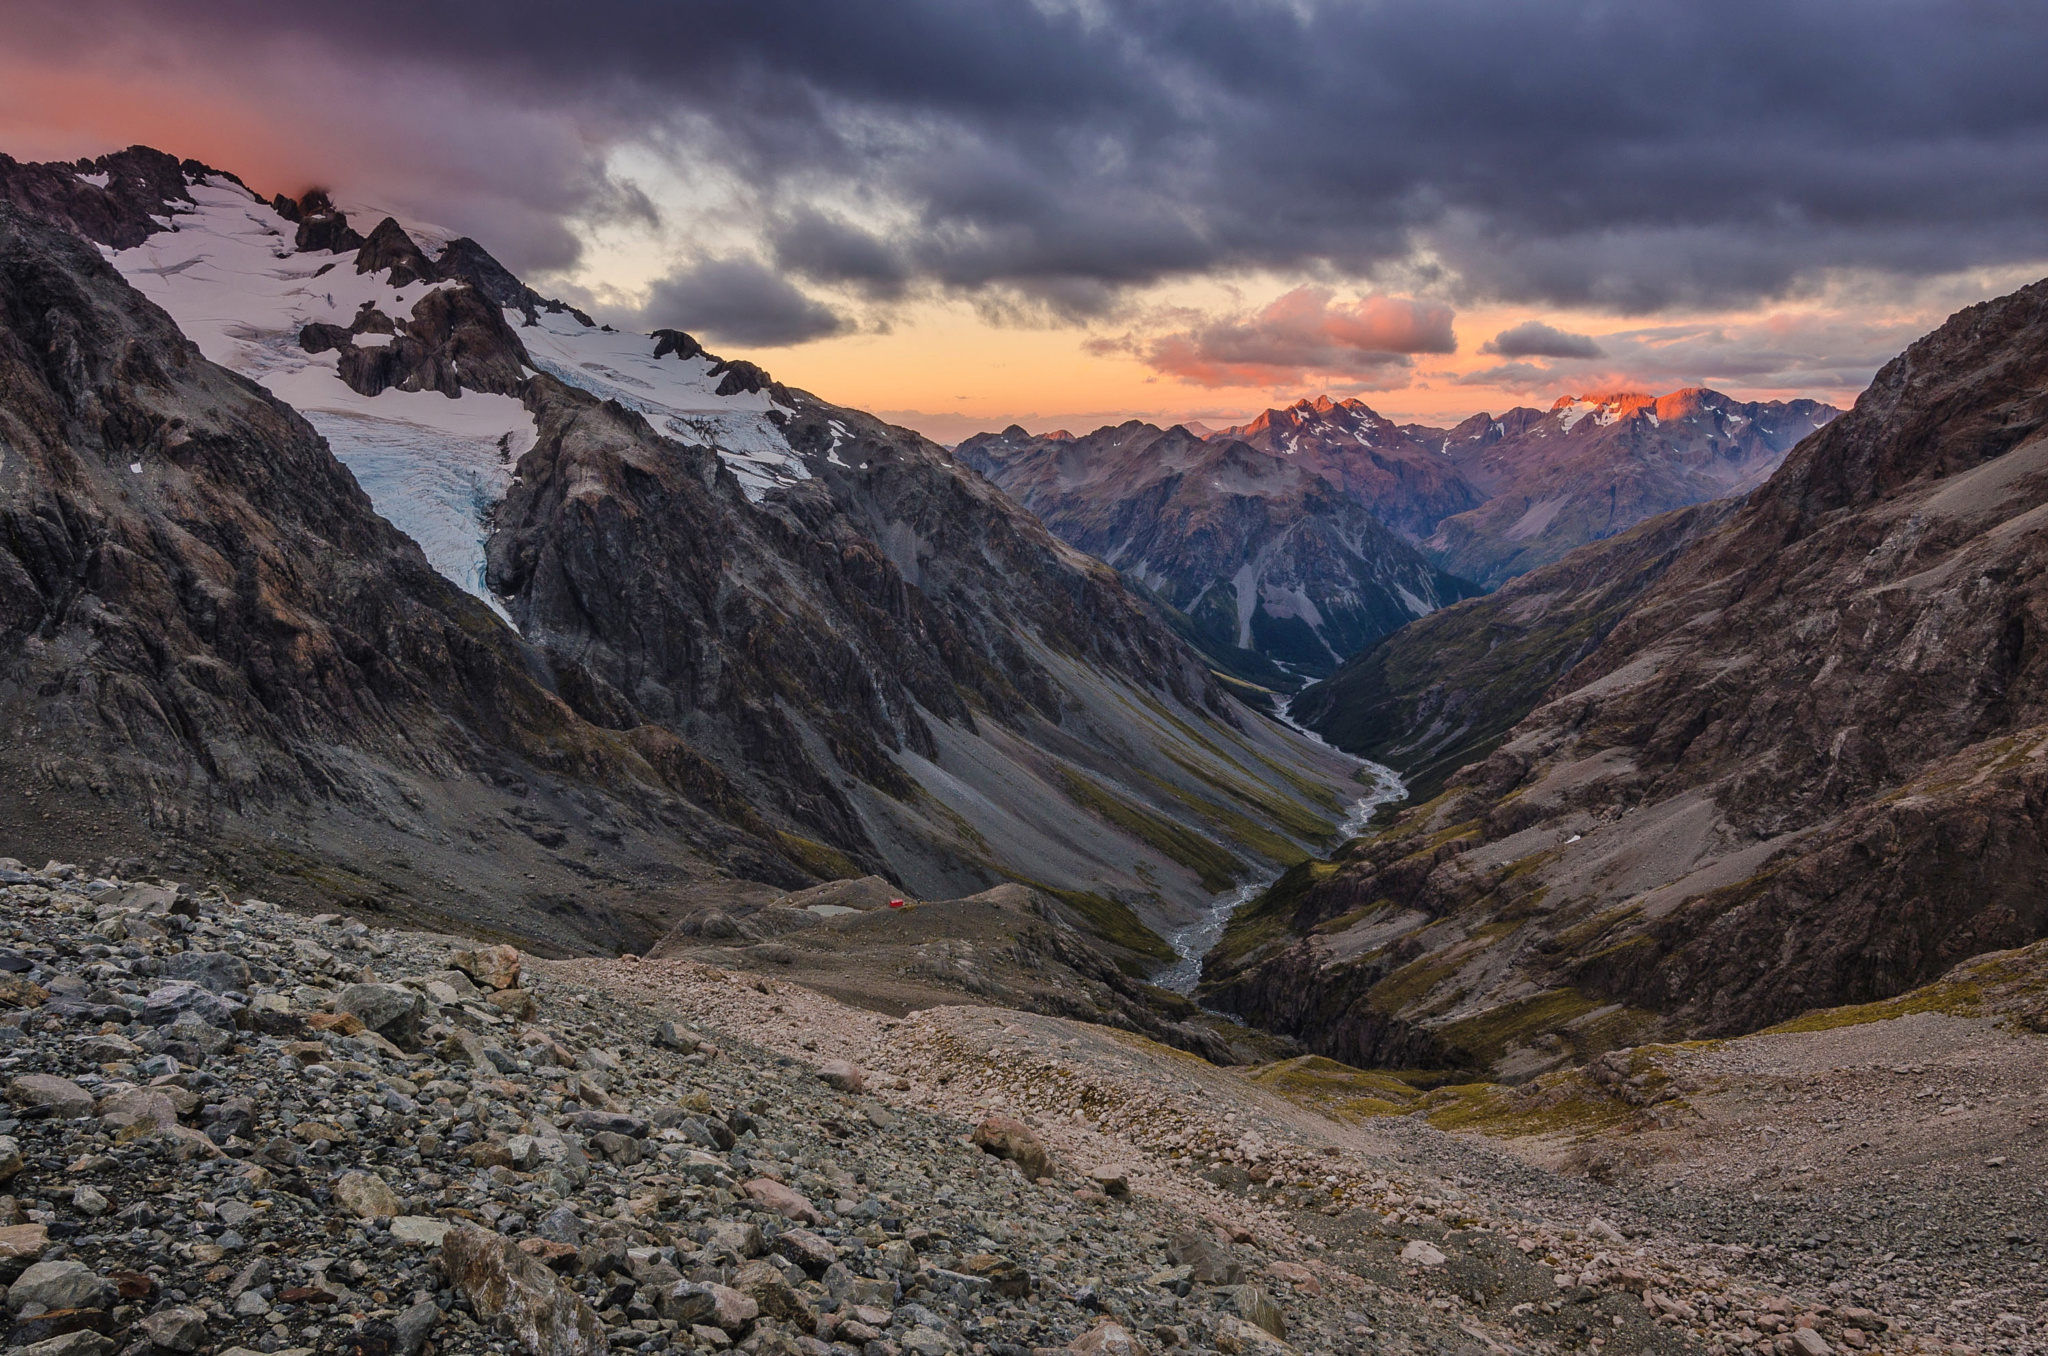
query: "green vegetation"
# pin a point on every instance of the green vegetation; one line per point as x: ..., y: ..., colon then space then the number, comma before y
x: 1217, y: 868
x: 1963, y: 998
x: 1484, y: 1038
x: 1112, y: 920
x: 823, y: 862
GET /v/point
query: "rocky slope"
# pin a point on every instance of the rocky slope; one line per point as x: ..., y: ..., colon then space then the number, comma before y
x: 753, y: 633
x: 1444, y: 690
x: 1593, y: 466
x: 246, y: 1131
x: 1804, y: 768
x: 1260, y: 551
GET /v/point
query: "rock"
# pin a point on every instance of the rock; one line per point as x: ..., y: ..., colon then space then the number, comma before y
x: 716, y: 1305
x: 182, y: 997
x: 683, y: 1041
x: 1109, y: 1338
x: 743, y: 1238
x: 10, y: 1157
x: 87, y: 1201
x: 807, y: 1250
x: 1008, y: 1137
x: 150, y: 1107
x: 1807, y: 1342
x: 50, y: 1095
x: 1209, y: 1262
x: 492, y: 967
x: 80, y: 1343
x: 1004, y: 1276
x: 598, y: 1122
x: 1604, y: 1231
x: 1259, y: 1307
x: 366, y: 1195
x: 179, y: 1328
x: 23, y: 1240
x: 764, y: 1283
x: 518, y: 1004
x: 392, y: 1012
x: 61, y: 1285
x: 783, y: 1201
x: 1296, y: 1275
x: 1112, y: 1179
x: 217, y: 971
x: 421, y: 1231
x: 16, y: 992
x: 518, y: 1295
x: 412, y: 1328
x: 846, y: 1077
x: 1421, y: 1252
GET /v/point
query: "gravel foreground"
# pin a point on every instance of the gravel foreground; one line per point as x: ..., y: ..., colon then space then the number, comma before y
x: 233, y: 1130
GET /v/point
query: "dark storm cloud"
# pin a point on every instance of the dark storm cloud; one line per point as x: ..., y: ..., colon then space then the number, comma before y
x: 1534, y: 339
x: 1629, y: 156
x: 738, y: 301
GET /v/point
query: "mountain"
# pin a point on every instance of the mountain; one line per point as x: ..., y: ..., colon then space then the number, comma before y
x: 1259, y: 550
x: 345, y: 564
x: 1808, y: 766
x: 1395, y: 472
x: 1592, y: 466
x: 1444, y: 690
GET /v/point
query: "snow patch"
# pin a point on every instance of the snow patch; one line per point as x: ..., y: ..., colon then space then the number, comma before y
x: 99, y: 180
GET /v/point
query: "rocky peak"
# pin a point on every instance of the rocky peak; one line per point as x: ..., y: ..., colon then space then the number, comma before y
x: 390, y: 247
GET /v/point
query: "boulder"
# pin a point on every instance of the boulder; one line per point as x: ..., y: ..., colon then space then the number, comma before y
x: 182, y: 997
x: 1422, y: 1253
x: 807, y: 1250
x: 412, y: 1328
x: 137, y: 1106
x: 216, y: 971
x: 421, y: 1231
x: 80, y: 1343
x: 517, y: 1295
x: 61, y: 1285
x: 1259, y: 1307
x: 392, y: 1012
x: 743, y: 1238
x: 23, y: 1240
x: 838, y: 1073
x: 1209, y: 1261
x: 1008, y: 1137
x: 764, y: 1284
x: 783, y: 1201
x: 492, y: 967
x: 1109, y: 1338
x: 1111, y: 1179
x: 366, y: 1195
x: 49, y: 1095
x: 179, y: 1328
x: 10, y: 1157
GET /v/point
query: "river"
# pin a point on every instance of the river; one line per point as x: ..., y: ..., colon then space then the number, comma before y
x: 1193, y: 941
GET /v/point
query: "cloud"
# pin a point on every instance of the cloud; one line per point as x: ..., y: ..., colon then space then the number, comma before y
x: 738, y: 301
x: 1302, y: 333
x: 1534, y: 339
x: 1633, y: 159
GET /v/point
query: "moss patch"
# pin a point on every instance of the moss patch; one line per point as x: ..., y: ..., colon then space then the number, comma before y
x: 1486, y: 1037
x: 1112, y: 920
x: 823, y: 862
x: 1957, y: 999
x: 1217, y: 868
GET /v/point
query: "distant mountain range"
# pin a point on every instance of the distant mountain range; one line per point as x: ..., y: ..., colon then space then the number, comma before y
x: 1291, y: 542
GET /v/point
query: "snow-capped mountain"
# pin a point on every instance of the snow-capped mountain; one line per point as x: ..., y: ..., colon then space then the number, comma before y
x: 1401, y: 479
x: 1264, y: 550
x: 613, y: 613
x: 1592, y: 466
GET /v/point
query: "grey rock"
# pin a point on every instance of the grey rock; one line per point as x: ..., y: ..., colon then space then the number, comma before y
x: 60, y: 1285
x: 217, y: 971
x: 392, y: 1012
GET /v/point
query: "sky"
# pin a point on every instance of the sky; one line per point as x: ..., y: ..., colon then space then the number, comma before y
x: 1067, y: 213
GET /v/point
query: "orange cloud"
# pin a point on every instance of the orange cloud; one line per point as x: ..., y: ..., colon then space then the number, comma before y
x: 1300, y: 338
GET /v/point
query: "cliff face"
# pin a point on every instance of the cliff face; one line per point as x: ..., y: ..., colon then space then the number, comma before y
x: 753, y: 633
x: 1809, y: 766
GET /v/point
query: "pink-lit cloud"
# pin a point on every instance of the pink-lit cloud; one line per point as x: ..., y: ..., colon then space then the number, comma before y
x: 1303, y: 336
